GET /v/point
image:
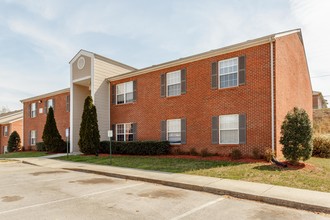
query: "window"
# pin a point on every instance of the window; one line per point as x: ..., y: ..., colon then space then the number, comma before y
x: 33, y: 110
x: 174, y: 131
x: 124, y: 132
x: 68, y: 103
x: 228, y: 73
x: 229, y: 129
x: 67, y: 132
x: 173, y: 80
x: 50, y: 103
x: 5, y: 130
x: 33, y: 137
x: 124, y: 93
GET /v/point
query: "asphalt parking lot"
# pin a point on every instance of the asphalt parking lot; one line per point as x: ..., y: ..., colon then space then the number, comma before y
x: 32, y: 192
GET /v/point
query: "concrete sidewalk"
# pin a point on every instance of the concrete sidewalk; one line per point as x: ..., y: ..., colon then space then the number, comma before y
x: 277, y: 195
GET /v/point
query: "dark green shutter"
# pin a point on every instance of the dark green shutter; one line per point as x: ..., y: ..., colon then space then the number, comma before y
x: 46, y: 106
x: 183, y: 81
x: 53, y: 105
x: 113, y: 132
x: 37, y: 108
x: 163, y: 131
x: 242, y: 128
x: 163, y: 85
x: 183, y: 131
x: 241, y: 67
x: 214, y: 76
x: 29, y: 110
x: 113, y: 91
x: 30, y: 138
x: 134, y: 126
x: 215, y: 130
x: 36, y: 140
x: 134, y: 91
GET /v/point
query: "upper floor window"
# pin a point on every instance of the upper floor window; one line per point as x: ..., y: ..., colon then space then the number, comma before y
x: 124, y: 132
x: 68, y: 103
x: 33, y: 112
x: 124, y: 93
x: 173, y: 83
x: 228, y: 73
x: 5, y: 130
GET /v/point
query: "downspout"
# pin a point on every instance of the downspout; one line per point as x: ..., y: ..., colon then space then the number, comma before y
x: 272, y: 93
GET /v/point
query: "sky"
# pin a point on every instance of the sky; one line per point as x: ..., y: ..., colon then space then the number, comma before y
x: 38, y: 38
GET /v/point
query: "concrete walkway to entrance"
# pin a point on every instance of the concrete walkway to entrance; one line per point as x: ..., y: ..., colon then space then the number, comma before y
x: 277, y: 195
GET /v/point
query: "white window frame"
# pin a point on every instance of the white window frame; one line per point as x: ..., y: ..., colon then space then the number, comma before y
x: 33, y: 138
x: 52, y: 105
x: 5, y: 130
x: 175, y: 83
x: 233, y: 129
x: 33, y: 110
x: 219, y: 72
x: 125, y: 92
x: 125, y: 134
x: 176, y: 131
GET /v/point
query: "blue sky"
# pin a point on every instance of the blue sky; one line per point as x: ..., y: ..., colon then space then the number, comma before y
x: 39, y: 37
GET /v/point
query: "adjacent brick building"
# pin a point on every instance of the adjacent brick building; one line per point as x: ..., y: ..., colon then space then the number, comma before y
x: 9, y: 122
x: 234, y: 97
x: 35, y: 113
x: 319, y: 101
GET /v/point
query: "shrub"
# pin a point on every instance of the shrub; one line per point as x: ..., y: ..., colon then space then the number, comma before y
x: 136, y: 147
x: 193, y: 152
x: 256, y: 153
x: 268, y: 155
x: 236, y: 154
x: 321, y: 146
x: 41, y: 146
x: 89, y: 135
x: 205, y: 153
x: 14, y: 142
x: 51, y: 137
x: 296, y: 135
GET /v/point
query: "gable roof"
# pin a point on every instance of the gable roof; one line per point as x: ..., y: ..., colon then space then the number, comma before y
x: 9, y: 117
x: 208, y: 54
x: 46, y: 95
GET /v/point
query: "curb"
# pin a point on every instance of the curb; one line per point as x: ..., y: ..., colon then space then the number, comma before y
x: 247, y: 196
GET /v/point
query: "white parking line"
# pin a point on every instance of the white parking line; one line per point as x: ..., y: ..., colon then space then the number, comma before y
x: 197, y: 209
x: 67, y: 199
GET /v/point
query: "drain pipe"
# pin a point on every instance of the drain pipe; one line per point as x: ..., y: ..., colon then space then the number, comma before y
x: 272, y: 93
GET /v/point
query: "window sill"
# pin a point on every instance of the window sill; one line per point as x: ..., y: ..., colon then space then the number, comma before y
x: 130, y: 103
x: 233, y: 87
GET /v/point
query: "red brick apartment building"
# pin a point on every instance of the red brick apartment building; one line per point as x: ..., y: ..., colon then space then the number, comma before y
x: 35, y: 113
x: 9, y: 122
x: 228, y: 98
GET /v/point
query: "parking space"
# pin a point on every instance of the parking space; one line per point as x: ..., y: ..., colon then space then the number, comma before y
x: 32, y: 192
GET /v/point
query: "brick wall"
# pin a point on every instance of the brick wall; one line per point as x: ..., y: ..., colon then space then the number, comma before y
x: 62, y: 117
x: 200, y: 103
x: 15, y: 126
x: 293, y: 85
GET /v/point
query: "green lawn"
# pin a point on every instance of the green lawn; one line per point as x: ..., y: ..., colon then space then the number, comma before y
x: 23, y: 154
x: 315, y: 176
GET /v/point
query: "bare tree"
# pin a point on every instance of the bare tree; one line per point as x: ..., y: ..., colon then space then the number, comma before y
x: 4, y: 109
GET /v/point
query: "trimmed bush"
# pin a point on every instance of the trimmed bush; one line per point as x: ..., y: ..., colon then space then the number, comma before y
x: 136, y: 147
x: 51, y: 137
x: 14, y: 142
x: 193, y: 152
x: 41, y: 146
x: 89, y: 135
x: 205, y: 153
x: 236, y: 154
x: 268, y: 155
x: 296, y: 136
x: 321, y: 146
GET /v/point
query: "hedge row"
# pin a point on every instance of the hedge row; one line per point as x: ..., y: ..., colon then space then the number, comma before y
x: 61, y: 149
x: 136, y: 147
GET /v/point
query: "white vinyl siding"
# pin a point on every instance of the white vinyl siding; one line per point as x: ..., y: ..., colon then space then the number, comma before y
x: 33, y: 110
x: 173, y: 81
x: 228, y: 73
x: 174, y: 131
x: 124, y: 93
x: 124, y: 132
x: 229, y: 129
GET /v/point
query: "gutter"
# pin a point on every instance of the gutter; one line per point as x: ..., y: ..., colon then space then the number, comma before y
x: 272, y: 92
